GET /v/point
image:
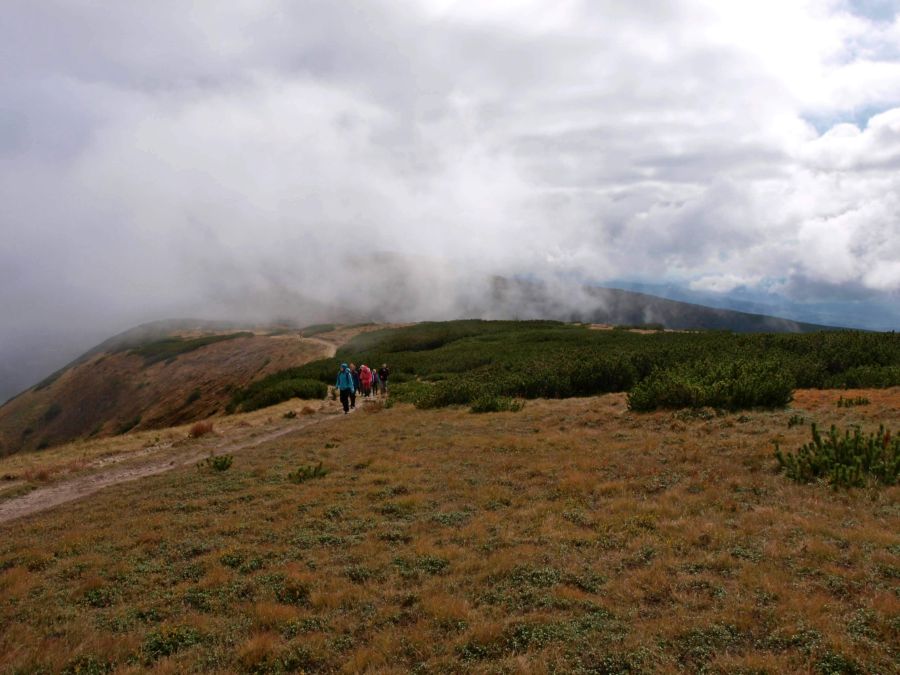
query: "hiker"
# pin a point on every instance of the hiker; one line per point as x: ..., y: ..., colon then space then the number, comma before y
x: 345, y: 386
x: 376, y: 382
x: 383, y: 374
x: 355, y: 373
x: 365, y: 380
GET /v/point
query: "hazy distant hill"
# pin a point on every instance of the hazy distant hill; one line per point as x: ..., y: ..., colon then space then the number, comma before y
x: 536, y: 300
x: 153, y: 376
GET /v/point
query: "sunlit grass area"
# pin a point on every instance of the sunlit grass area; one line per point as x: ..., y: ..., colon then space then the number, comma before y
x: 572, y: 536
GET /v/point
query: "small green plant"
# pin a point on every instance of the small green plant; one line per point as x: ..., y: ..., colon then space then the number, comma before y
x: 305, y: 473
x: 217, y: 462
x: 851, y: 402
x: 167, y: 641
x: 275, y: 389
x: 844, y: 460
x: 796, y: 421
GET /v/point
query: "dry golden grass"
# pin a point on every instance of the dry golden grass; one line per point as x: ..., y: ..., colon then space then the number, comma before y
x: 199, y: 429
x: 572, y: 536
x: 25, y: 471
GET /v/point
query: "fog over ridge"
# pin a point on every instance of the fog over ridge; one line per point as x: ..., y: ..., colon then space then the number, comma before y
x: 159, y: 159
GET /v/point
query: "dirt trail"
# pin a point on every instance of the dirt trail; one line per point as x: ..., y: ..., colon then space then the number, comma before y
x: 329, y: 346
x: 67, y: 491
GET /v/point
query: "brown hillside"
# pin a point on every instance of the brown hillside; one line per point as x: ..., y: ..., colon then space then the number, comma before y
x: 112, y: 392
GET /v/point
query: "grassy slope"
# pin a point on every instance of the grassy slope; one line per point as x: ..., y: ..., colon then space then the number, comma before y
x: 108, y: 393
x: 572, y: 535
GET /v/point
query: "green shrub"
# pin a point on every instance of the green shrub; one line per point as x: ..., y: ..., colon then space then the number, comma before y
x: 852, y: 402
x: 730, y: 386
x: 865, y: 377
x: 796, y: 421
x: 305, y: 473
x: 457, y: 362
x: 489, y: 403
x: 167, y: 641
x: 270, y: 391
x: 217, y: 462
x: 846, y: 460
x: 170, y: 348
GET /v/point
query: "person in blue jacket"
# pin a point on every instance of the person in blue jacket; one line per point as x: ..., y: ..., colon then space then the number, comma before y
x: 346, y: 387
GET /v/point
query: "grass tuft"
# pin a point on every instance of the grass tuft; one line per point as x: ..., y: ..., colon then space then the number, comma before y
x: 200, y: 429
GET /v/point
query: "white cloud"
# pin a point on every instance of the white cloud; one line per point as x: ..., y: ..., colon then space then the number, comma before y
x: 185, y: 152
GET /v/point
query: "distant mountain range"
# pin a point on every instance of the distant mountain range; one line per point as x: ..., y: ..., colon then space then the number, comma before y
x: 880, y: 312
x: 625, y: 307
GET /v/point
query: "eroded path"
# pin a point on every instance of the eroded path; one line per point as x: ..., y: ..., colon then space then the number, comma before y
x: 45, y: 498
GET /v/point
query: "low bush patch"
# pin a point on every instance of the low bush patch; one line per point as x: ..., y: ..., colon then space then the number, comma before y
x: 167, y: 641
x: 852, y: 402
x: 844, y: 460
x: 305, y: 473
x: 275, y: 389
x: 170, y: 348
x: 730, y: 386
x: 217, y: 462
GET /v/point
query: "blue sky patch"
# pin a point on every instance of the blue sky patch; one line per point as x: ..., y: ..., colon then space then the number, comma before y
x: 877, y: 10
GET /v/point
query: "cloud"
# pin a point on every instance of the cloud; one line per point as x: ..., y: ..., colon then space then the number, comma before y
x: 160, y: 159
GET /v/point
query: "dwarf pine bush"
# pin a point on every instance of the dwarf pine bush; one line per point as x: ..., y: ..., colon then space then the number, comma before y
x: 275, y: 389
x: 844, y: 460
x: 305, y: 473
x: 852, y: 402
x: 726, y: 385
x: 456, y: 362
x: 217, y: 462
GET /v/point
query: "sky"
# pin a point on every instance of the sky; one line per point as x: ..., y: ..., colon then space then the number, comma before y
x: 254, y: 158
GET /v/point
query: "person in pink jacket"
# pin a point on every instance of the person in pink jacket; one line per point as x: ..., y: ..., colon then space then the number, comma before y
x: 365, y: 379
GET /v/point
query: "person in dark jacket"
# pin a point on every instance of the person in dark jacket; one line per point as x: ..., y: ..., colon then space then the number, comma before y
x: 376, y: 382
x: 346, y: 387
x: 356, y: 383
x: 383, y: 374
